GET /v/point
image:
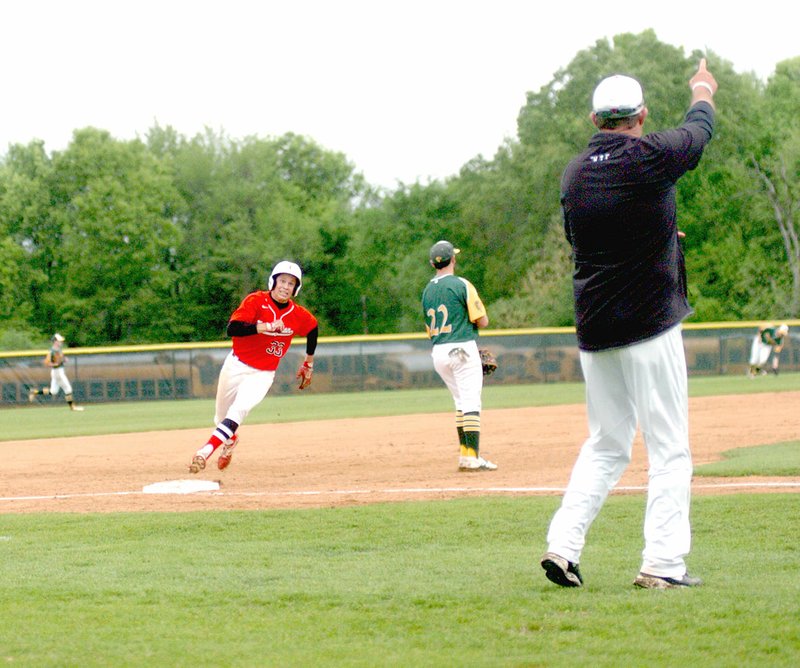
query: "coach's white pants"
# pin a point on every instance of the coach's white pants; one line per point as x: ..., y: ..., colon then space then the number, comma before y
x: 645, y: 383
x: 240, y: 389
x: 462, y: 373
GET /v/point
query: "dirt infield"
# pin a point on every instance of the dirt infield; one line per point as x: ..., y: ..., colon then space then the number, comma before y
x: 339, y: 462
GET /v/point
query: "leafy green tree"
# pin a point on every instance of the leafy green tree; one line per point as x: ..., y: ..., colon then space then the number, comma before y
x: 112, y: 241
x: 777, y: 169
x: 117, y: 219
x: 250, y: 204
x: 28, y: 236
x: 391, y: 252
x: 544, y: 296
x: 17, y: 278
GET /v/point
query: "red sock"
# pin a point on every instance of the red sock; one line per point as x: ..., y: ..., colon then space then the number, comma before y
x: 214, y: 442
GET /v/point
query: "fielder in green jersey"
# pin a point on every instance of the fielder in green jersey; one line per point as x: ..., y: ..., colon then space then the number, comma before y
x: 55, y: 360
x: 453, y: 315
x: 769, y: 340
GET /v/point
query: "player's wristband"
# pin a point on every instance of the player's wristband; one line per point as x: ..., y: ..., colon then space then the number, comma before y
x: 703, y: 84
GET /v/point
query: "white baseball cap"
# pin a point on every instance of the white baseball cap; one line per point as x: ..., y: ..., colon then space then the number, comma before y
x: 58, y: 337
x: 618, y: 96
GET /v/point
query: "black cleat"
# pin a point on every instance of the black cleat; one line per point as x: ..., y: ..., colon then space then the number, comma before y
x: 564, y: 573
x: 646, y: 581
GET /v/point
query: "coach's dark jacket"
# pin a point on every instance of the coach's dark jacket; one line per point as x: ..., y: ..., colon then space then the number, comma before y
x: 618, y: 201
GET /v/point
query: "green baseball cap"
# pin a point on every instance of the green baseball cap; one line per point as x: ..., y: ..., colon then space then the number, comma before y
x: 442, y: 252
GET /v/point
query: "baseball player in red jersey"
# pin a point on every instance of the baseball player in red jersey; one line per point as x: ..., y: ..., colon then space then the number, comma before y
x: 262, y: 328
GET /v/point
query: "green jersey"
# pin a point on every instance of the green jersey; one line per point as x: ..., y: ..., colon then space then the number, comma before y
x: 771, y: 336
x: 451, y: 306
x: 56, y: 357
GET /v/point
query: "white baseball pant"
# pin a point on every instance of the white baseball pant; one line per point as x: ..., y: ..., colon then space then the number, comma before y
x: 759, y: 352
x: 644, y: 383
x: 59, y: 381
x: 462, y: 373
x: 240, y: 389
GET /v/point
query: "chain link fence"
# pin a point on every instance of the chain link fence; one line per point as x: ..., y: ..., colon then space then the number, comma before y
x: 350, y: 364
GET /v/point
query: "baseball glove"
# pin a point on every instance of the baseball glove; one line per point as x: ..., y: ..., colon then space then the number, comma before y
x: 304, y: 374
x: 488, y: 362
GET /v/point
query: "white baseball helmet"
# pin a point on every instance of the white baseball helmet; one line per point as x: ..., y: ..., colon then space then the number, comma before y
x: 286, y: 267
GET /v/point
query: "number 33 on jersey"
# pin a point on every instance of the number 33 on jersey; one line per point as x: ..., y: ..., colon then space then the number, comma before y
x: 266, y: 350
x: 451, y: 305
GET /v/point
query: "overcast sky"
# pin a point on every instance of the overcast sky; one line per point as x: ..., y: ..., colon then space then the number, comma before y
x: 407, y: 89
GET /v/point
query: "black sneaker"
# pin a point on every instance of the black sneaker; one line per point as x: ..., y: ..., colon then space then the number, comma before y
x: 564, y: 573
x: 646, y: 581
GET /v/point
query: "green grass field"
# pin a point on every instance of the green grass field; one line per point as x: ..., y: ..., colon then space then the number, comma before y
x: 53, y: 419
x: 449, y: 583
x: 453, y: 583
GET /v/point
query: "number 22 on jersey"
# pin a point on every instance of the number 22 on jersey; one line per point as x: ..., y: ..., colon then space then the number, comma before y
x: 443, y: 328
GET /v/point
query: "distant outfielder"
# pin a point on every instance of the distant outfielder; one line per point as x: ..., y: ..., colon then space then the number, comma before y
x: 454, y: 312
x: 262, y: 328
x: 55, y: 359
x: 768, y: 341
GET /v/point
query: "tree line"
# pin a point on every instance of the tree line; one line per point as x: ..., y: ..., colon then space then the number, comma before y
x: 158, y: 239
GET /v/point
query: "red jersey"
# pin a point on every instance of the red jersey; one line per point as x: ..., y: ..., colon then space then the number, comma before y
x: 264, y: 351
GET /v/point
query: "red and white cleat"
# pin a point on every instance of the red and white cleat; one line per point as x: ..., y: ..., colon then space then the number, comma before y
x: 227, y: 453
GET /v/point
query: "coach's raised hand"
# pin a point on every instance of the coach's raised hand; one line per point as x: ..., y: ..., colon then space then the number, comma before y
x: 703, y: 85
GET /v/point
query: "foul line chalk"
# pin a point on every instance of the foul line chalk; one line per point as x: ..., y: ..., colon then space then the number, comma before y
x: 200, y: 486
